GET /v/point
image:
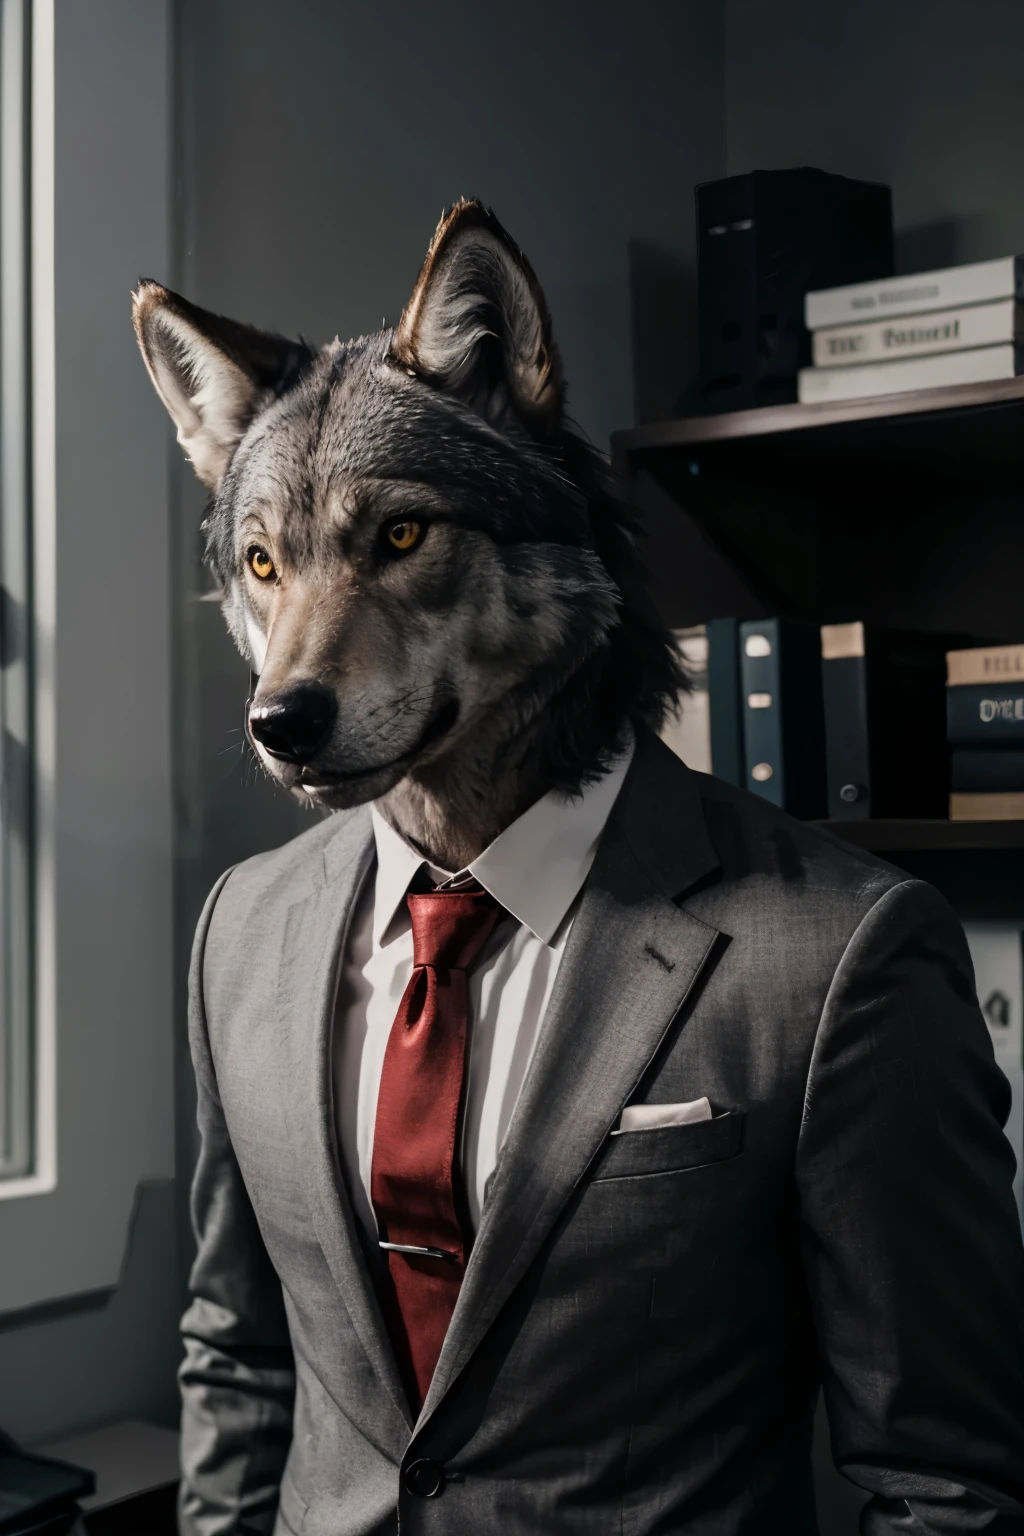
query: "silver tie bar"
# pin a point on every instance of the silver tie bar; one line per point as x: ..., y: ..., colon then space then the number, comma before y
x: 419, y: 1253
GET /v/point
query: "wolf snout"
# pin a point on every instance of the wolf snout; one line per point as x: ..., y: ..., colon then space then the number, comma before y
x: 294, y: 724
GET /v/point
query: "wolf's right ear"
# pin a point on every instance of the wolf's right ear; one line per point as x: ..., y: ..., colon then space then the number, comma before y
x: 212, y: 374
x: 477, y: 325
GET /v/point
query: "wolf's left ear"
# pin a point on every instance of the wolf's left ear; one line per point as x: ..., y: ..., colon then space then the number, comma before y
x: 477, y: 324
x: 211, y: 373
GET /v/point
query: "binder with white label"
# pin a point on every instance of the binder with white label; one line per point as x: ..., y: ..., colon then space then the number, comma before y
x: 783, y: 717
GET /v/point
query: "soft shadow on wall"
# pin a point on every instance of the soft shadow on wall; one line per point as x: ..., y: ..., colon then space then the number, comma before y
x: 663, y: 327
x: 690, y: 581
x: 86, y: 1360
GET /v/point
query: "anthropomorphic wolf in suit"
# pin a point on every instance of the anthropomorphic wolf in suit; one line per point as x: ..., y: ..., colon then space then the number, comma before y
x: 568, y: 1118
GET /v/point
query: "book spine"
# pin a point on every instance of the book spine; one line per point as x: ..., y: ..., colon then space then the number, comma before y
x: 976, y: 283
x: 987, y: 770
x: 974, y: 366
x: 948, y: 330
x: 980, y: 715
x: 762, y: 709
x: 725, y: 701
x: 847, y: 761
x: 996, y: 664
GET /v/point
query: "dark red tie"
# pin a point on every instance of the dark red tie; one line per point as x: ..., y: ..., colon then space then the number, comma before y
x: 415, y: 1172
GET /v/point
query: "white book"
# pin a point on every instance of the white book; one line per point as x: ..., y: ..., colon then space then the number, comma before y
x: 975, y: 366
x: 977, y: 283
x: 946, y: 330
x: 996, y: 952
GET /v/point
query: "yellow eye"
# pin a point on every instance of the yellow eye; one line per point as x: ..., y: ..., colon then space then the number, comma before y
x: 261, y: 564
x: 405, y: 535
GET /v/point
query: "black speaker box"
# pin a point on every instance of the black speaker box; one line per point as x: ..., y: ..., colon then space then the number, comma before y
x: 763, y: 241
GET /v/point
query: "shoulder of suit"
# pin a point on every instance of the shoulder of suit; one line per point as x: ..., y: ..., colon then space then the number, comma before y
x: 289, y: 873
x: 754, y: 838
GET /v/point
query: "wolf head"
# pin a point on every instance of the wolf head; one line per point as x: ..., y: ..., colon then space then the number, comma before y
x: 417, y: 555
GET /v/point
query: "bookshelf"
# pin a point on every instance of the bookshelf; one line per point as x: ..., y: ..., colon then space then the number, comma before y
x: 905, y: 510
x: 931, y: 408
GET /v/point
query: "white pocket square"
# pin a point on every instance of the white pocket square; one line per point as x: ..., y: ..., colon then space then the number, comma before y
x: 655, y: 1117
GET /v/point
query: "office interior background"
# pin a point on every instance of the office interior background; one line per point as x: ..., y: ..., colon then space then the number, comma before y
x: 286, y: 164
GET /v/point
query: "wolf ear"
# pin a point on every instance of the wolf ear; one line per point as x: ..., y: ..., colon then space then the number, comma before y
x: 477, y: 324
x: 212, y: 374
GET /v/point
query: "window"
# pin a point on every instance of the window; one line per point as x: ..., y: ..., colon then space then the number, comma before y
x: 17, y: 1093
x: 89, y: 1066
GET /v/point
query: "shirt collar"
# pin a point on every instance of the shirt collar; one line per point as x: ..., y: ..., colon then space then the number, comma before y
x: 535, y: 868
x: 397, y: 865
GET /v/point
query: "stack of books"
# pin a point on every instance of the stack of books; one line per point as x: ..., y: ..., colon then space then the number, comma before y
x: 961, y: 325
x: 985, y: 726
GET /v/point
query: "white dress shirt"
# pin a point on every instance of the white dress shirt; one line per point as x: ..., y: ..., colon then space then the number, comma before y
x: 535, y: 869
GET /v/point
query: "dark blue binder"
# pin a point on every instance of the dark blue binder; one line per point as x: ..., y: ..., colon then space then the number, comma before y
x: 783, y: 715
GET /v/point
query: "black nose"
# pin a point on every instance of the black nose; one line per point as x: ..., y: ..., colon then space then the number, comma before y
x: 293, y: 725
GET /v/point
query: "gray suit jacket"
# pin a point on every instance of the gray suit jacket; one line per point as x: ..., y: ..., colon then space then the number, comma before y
x: 645, y: 1320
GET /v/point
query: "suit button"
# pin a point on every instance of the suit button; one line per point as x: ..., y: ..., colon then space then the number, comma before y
x: 425, y: 1478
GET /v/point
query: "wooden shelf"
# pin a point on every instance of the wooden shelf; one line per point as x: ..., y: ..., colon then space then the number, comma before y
x: 971, y: 430
x: 909, y: 835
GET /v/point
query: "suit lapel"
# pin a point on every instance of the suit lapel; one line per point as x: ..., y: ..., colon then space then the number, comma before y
x: 630, y: 962
x: 314, y: 939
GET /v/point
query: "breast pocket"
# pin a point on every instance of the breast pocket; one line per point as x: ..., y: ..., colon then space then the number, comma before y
x: 673, y: 1149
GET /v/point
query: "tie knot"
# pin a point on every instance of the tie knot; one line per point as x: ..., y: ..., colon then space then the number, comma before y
x: 451, y: 927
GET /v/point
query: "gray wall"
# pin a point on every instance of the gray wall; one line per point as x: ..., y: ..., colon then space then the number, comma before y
x: 327, y: 138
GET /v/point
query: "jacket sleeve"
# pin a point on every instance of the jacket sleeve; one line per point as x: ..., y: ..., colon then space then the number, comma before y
x: 237, y: 1377
x: 910, y: 1236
